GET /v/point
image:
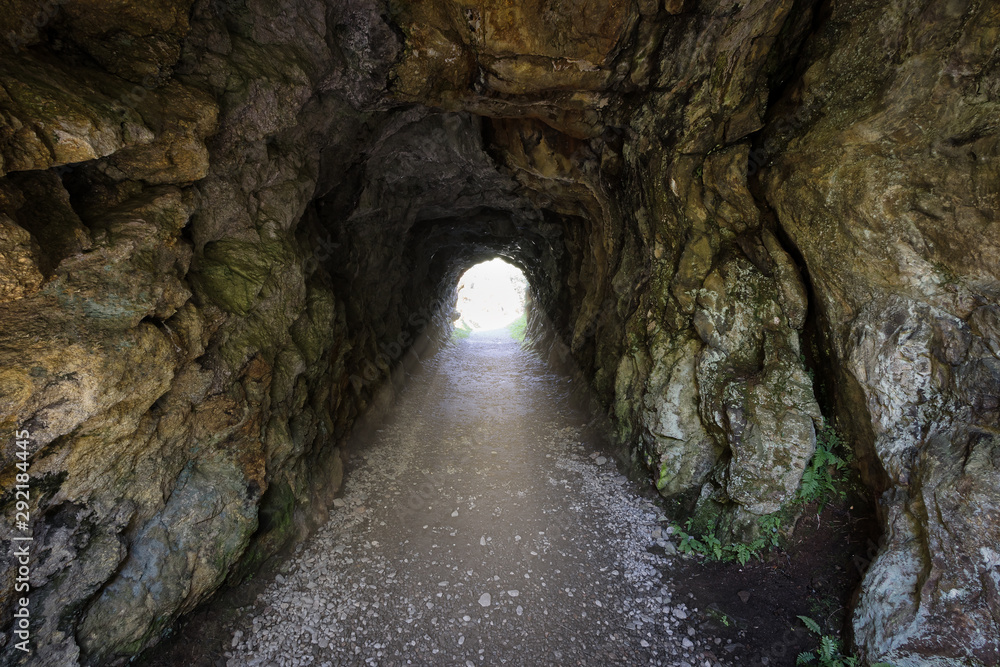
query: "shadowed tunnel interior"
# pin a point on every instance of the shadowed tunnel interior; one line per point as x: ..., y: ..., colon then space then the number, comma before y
x: 228, y: 228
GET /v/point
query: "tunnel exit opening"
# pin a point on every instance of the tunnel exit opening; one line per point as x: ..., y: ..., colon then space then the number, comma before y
x: 491, y: 295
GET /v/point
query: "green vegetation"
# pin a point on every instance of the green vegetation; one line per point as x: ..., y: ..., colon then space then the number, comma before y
x: 518, y: 328
x: 821, y: 479
x: 809, y: 372
x: 829, y: 653
x: 710, y: 546
x: 824, y: 479
x: 461, y: 332
x: 720, y: 616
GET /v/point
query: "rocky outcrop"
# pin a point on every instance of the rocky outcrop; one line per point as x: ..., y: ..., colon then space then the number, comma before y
x: 227, y: 227
x: 888, y: 188
x: 183, y: 353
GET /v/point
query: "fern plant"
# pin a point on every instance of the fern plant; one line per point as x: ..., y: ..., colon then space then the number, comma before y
x: 770, y: 526
x: 818, y: 482
x: 742, y: 553
x: 688, y: 544
x: 713, y: 546
x: 710, y: 546
x: 829, y: 653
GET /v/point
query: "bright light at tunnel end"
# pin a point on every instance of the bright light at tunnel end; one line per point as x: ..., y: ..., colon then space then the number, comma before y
x: 491, y: 296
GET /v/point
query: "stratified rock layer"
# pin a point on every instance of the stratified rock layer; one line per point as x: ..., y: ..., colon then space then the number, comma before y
x: 226, y: 228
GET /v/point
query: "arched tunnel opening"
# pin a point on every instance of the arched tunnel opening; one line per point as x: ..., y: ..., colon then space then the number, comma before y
x: 750, y: 410
x: 491, y: 295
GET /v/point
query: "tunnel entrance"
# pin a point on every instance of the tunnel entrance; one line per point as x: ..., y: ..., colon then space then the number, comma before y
x: 491, y: 295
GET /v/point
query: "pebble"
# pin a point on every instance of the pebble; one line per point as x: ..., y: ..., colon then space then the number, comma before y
x: 357, y: 593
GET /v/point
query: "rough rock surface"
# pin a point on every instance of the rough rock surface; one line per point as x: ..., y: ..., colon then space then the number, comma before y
x: 226, y: 227
x: 894, y: 174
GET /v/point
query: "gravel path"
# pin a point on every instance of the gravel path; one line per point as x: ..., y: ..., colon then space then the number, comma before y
x: 477, y: 529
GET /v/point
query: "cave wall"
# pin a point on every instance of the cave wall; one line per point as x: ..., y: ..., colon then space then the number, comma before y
x: 181, y: 335
x: 228, y: 226
x: 889, y: 188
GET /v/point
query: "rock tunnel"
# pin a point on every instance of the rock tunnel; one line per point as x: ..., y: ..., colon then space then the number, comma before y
x: 227, y: 227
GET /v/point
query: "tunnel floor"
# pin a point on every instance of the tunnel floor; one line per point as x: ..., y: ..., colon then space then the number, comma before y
x: 477, y: 528
x: 482, y: 524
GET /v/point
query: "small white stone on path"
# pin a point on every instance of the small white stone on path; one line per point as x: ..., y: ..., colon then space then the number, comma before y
x: 461, y: 639
x: 482, y: 541
x: 513, y: 593
x: 519, y: 610
x: 455, y: 513
x: 687, y: 643
x: 485, y: 599
x: 600, y: 460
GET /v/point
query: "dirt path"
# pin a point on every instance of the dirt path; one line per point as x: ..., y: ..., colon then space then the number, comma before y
x: 477, y: 529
